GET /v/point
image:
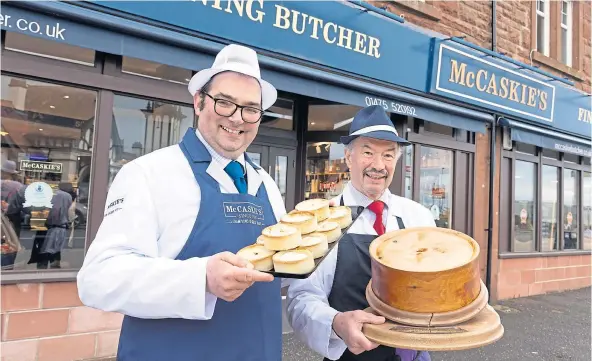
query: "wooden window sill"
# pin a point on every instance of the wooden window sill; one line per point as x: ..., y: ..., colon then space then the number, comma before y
x: 419, y: 8
x: 557, y: 65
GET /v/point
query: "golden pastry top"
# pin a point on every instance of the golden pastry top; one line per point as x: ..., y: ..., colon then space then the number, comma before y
x: 297, y: 217
x: 426, y: 250
x: 327, y: 226
x: 340, y: 211
x: 292, y: 256
x: 254, y: 252
x: 312, y: 204
x: 279, y: 230
x: 313, y: 239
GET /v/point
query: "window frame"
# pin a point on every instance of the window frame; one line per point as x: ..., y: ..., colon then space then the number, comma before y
x: 569, y: 33
x: 546, y: 14
x: 106, y: 79
x: 506, y: 202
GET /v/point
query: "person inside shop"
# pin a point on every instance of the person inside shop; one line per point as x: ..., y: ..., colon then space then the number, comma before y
x: 165, y: 253
x: 326, y: 309
x: 49, y: 243
x: 13, y: 192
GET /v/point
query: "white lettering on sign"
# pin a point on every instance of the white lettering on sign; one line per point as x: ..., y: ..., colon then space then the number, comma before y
x: 585, y: 115
x: 302, y: 24
x: 54, y: 31
x: 391, y: 106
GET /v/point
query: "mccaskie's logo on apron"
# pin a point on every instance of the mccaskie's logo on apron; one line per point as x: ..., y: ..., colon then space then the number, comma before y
x: 243, y: 212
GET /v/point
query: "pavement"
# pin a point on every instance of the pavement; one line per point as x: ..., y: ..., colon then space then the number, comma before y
x: 548, y: 327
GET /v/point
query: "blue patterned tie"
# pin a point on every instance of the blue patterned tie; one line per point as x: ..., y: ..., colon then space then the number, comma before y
x: 235, y: 171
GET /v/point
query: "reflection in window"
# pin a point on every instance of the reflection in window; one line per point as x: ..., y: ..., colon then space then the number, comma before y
x: 550, y: 208
x: 281, y: 174
x: 331, y: 117
x: 49, y: 49
x: 587, y: 209
x: 524, y: 206
x: 570, y: 209
x: 280, y: 115
x: 150, y: 69
x: 141, y: 126
x: 47, y: 135
x: 409, y: 172
x: 326, y: 170
x: 435, y: 184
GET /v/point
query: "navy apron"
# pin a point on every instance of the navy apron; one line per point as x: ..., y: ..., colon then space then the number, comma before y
x: 247, y: 329
x: 348, y: 292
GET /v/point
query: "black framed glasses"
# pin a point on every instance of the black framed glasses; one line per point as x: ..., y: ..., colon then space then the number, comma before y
x: 227, y: 108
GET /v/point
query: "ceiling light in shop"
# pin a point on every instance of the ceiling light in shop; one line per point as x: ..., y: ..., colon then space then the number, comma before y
x: 52, y: 106
x: 342, y: 123
x: 66, y: 97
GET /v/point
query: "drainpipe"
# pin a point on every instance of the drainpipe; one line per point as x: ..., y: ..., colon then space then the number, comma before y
x: 491, y: 164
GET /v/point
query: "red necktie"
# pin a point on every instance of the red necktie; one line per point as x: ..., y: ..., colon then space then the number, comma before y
x: 377, y: 207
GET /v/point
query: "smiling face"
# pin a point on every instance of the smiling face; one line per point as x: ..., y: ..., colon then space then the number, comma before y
x: 371, y: 164
x: 229, y: 136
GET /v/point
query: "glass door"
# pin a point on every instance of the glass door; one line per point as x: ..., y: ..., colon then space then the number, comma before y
x: 259, y: 155
x: 283, y: 171
x: 280, y: 164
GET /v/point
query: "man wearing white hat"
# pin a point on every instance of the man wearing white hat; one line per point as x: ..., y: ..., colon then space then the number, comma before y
x: 326, y: 309
x: 165, y: 254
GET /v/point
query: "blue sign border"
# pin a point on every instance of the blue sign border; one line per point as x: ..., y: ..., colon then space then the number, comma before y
x: 439, y: 86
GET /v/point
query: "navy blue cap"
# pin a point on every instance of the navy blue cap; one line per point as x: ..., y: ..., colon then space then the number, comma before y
x: 373, y: 122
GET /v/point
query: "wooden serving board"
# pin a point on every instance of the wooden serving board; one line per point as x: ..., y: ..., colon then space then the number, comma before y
x: 428, y: 319
x: 356, y: 210
x: 484, y: 329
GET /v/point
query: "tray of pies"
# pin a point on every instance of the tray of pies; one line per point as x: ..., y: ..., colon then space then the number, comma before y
x: 294, y: 247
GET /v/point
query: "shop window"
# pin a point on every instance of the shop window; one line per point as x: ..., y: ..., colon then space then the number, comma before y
x: 326, y: 170
x: 331, y: 117
x: 525, y: 205
x: 48, y: 49
x: 587, y: 210
x: 141, y: 126
x: 550, y: 154
x: 563, y: 200
x: 526, y: 149
x: 280, y: 115
x: 408, y: 191
x: 438, y: 129
x: 435, y: 184
x: 550, y: 208
x: 154, y: 70
x: 586, y: 160
x: 570, y: 209
x: 571, y: 158
x: 47, y: 144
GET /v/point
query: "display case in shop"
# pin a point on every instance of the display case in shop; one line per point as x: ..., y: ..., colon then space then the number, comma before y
x: 326, y: 171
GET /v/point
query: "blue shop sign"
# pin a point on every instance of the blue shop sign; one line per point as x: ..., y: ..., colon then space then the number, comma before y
x: 468, y: 76
x: 335, y: 34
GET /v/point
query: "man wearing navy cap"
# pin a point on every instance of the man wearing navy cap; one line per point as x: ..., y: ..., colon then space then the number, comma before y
x: 326, y: 309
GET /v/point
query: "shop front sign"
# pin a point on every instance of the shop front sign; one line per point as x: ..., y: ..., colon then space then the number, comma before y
x: 336, y: 34
x: 477, y: 78
x: 47, y: 167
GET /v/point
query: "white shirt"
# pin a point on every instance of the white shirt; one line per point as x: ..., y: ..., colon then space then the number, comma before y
x: 150, y: 211
x: 308, y: 310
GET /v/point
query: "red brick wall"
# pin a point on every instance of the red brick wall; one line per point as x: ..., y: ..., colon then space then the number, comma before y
x: 47, y: 322
x: 520, y: 277
x: 514, y: 21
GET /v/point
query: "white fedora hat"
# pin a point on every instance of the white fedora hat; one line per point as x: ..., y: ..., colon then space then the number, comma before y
x: 239, y: 59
